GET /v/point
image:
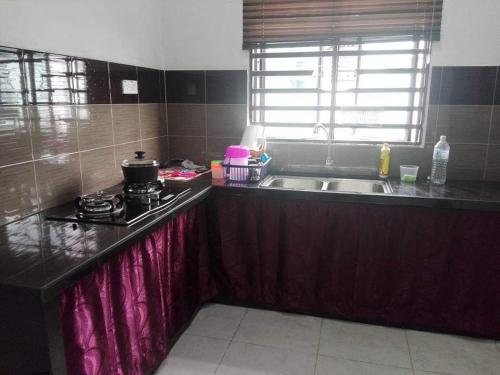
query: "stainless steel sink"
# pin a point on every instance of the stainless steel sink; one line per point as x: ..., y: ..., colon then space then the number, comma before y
x: 295, y: 183
x: 359, y: 186
x: 344, y: 185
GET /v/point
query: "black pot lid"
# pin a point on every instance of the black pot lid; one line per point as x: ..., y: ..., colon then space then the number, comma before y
x: 140, y: 161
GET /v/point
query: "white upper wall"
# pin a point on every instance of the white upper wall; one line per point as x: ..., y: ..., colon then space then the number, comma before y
x: 125, y: 31
x: 470, y: 33
x: 202, y: 34
x: 211, y: 35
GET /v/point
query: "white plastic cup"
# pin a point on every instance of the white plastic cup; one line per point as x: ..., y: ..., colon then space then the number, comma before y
x: 408, y: 173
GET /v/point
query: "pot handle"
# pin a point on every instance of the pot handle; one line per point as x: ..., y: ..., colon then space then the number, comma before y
x: 119, y: 199
x: 140, y: 154
x: 78, y: 202
x: 116, y: 202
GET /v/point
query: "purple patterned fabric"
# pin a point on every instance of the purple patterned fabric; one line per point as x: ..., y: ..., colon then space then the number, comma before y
x: 411, y: 267
x: 423, y: 268
x: 122, y: 318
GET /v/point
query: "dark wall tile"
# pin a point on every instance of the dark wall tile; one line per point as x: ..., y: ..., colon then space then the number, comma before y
x: 91, y: 82
x: 98, y: 169
x: 185, y: 86
x: 226, y: 86
x: 163, y: 93
x: 53, y: 130
x: 431, y: 124
x: 156, y: 148
x: 493, y: 164
x: 187, y: 119
x: 226, y: 120
x: 18, y: 192
x: 60, y: 79
x: 497, y: 88
x: 95, y: 126
x: 14, y: 135
x: 356, y: 156
x: 464, y: 124
x: 126, y: 123
x: 149, y: 85
x: 152, y: 120
x: 49, y: 78
x: 193, y: 148
x: 280, y: 155
x: 412, y: 156
x: 58, y: 180
x: 12, y: 84
x: 467, y: 162
x: 216, y: 147
x: 435, y: 89
x: 495, y: 125
x: 468, y: 85
x: 117, y: 74
x: 307, y: 153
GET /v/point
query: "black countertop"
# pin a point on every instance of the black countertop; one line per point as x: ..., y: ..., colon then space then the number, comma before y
x: 44, y: 256
x: 469, y: 195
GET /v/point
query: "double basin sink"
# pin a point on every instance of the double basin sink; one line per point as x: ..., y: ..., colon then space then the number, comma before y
x: 344, y: 185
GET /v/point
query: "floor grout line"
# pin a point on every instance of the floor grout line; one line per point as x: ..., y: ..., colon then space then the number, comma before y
x: 319, y: 345
x: 409, y: 350
x: 366, y: 362
x: 186, y: 333
x: 272, y: 347
x: 230, y: 341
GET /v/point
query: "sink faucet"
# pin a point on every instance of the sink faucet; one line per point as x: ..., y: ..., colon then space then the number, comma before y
x: 316, y: 129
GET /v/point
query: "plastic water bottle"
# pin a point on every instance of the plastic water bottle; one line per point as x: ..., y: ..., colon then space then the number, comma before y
x: 440, y: 161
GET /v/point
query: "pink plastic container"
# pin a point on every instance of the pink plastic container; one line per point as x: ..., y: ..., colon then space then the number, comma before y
x: 237, y: 155
x: 237, y: 152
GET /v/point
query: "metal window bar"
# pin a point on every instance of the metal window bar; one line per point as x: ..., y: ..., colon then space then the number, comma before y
x: 413, y: 128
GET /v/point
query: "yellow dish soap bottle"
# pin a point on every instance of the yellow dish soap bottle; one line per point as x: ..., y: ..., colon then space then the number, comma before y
x: 385, y: 157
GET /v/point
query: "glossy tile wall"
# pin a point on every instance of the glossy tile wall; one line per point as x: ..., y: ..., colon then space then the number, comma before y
x: 207, y: 111
x: 464, y: 105
x: 66, y: 123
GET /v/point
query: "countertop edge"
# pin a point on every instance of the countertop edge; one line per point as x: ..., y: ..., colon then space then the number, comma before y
x: 461, y: 197
x: 68, y: 278
x: 390, y: 199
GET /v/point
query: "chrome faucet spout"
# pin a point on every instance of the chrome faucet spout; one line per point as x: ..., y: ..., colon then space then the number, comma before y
x: 319, y: 126
x: 316, y: 129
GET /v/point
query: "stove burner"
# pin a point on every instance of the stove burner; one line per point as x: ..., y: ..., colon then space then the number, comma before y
x: 143, y: 193
x: 101, y: 208
x: 143, y: 188
x: 99, y: 205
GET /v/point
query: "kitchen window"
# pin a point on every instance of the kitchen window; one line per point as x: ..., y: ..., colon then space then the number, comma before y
x: 359, y: 68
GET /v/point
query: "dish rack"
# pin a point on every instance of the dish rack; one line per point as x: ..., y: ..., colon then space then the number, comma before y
x: 245, y: 173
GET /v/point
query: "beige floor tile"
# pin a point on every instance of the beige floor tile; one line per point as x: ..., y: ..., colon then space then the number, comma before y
x: 286, y: 331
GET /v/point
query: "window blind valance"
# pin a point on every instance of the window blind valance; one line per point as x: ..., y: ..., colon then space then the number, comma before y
x: 268, y: 22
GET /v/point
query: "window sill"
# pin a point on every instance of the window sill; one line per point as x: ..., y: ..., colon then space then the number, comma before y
x: 342, y: 143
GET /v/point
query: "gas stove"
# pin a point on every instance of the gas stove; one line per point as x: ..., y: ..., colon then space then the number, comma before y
x: 143, y: 193
x: 128, y: 207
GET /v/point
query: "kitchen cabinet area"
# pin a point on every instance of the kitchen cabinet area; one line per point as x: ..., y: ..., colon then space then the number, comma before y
x: 106, y: 307
x: 413, y: 267
x: 125, y: 316
x: 243, y: 187
x: 109, y: 298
